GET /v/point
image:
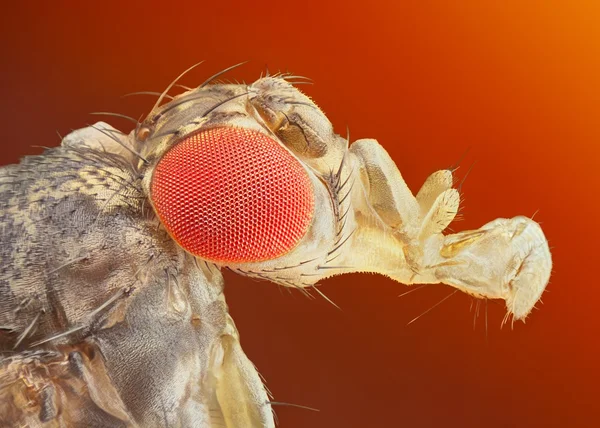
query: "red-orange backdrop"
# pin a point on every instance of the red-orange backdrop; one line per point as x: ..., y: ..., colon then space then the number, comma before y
x: 516, y: 81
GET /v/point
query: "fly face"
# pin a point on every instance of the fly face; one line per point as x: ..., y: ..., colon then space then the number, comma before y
x: 253, y: 178
x: 230, y: 191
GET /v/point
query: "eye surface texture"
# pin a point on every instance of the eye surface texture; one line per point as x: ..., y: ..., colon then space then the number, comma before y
x: 233, y: 195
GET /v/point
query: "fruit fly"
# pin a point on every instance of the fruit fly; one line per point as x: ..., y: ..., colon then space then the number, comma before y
x: 112, y: 310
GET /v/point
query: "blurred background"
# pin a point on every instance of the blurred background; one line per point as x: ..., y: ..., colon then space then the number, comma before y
x: 516, y: 82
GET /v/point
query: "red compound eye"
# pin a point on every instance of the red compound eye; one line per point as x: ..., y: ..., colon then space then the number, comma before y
x: 233, y: 195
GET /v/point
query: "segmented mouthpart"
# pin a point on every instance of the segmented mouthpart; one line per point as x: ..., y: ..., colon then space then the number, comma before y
x: 233, y: 195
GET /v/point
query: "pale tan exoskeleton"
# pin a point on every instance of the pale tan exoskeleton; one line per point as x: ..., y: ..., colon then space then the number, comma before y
x: 112, y: 310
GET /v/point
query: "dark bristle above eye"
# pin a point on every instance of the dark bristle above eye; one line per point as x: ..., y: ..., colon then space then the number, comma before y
x: 194, y: 98
x: 164, y: 93
x: 153, y: 93
x: 122, y: 116
x: 216, y: 75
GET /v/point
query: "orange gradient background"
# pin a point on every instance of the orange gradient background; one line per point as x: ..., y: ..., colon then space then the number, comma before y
x: 517, y: 82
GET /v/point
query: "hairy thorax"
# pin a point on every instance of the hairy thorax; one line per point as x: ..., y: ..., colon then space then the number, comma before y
x: 89, y: 271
